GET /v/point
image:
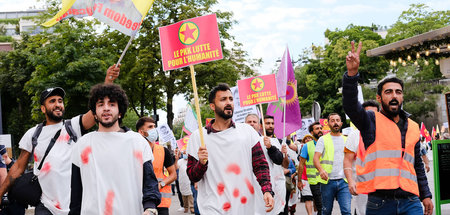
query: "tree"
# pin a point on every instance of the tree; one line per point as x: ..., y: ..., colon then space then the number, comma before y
x: 154, y: 88
x: 319, y: 77
x: 71, y: 58
x: 418, y: 19
x: 15, y: 71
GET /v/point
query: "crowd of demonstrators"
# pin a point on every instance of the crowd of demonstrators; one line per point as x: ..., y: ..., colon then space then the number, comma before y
x: 390, y: 169
x: 163, y: 163
x: 238, y: 168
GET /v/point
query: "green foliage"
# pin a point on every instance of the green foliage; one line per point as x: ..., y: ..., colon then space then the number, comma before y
x: 420, y: 99
x: 5, y: 38
x: 70, y: 58
x: 15, y: 70
x: 130, y: 120
x: 14, y: 21
x: 418, y: 19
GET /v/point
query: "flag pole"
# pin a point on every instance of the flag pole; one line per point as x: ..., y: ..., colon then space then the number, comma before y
x: 262, y: 118
x: 124, y: 51
x: 197, y: 106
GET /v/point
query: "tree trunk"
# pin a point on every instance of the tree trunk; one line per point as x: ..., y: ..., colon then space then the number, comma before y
x: 169, y: 104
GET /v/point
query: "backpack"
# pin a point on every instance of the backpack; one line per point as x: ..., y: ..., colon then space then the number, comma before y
x: 26, y: 188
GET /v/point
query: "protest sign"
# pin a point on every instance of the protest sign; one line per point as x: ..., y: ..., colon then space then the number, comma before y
x: 306, y: 122
x: 190, y: 42
x: 239, y: 112
x: 166, y: 135
x: 257, y: 90
x: 325, y: 126
x: 182, y: 143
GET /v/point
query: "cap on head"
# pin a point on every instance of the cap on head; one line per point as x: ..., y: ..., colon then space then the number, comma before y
x: 51, y: 92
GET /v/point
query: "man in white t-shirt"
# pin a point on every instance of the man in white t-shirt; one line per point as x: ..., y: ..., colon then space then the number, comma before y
x: 328, y: 159
x: 112, y: 170
x: 229, y: 164
x: 54, y: 176
x: 351, y: 149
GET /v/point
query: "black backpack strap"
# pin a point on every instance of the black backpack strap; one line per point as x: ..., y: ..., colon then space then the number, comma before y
x: 70, y: 131
x: 35, y: 137
x: 50, y: 146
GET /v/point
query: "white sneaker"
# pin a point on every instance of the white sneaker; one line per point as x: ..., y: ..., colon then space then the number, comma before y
x: 180, y: 210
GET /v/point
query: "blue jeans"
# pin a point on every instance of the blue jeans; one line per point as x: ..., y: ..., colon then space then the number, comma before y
x: 336, y: 189
x: 403, y: 206
x: 194, y: 193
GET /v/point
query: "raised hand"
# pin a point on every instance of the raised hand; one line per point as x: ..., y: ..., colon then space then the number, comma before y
x: 112, y: 73
x: 352, y: 59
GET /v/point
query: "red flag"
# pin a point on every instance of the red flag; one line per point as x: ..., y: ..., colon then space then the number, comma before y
x: 424, y: 132
x: 433, y: 133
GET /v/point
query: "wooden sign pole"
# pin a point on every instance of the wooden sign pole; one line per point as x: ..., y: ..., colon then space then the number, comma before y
x: 262, y: 119
x: 197, y: 105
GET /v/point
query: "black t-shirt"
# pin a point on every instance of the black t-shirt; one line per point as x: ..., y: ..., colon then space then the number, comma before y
x: 168, y: 158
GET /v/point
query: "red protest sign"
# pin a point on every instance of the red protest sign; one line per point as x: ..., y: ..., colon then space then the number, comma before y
x: 182, y: 143
x: 190, y: 42
x: 257, y: 90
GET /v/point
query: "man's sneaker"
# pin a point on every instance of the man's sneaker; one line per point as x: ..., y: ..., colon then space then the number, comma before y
x: 180, y: 210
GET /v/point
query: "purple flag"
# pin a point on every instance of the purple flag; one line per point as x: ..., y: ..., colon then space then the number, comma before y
x: 287, y: 92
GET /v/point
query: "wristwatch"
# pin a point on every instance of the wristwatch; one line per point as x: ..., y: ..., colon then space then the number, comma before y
x: 162, y: 183
x: 152, y: 211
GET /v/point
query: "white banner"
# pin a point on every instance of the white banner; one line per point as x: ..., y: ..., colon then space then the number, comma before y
x: 166, y: 135
x: 240, y: 113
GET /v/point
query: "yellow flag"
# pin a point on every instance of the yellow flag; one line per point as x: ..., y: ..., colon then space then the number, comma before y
x: 123, y: 15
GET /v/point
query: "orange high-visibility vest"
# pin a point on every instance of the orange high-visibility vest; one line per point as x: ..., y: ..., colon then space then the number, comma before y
x: 158, y: 168
x: 382, y: 166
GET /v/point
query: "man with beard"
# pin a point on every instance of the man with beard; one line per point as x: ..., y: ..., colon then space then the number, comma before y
x: 229, y: 163
x: 329, y: 161
x: 390, y: 170
x: 306, y: 161
x: 54, y: 176
x: 118, y: 158
x: 274, y: 159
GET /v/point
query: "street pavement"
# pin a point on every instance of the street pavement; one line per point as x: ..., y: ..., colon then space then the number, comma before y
x: 300, y: 209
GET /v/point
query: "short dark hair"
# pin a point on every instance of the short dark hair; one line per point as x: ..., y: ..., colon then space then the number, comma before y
x: 387, y: 80
x: 115, y: 94
x: 142, y: 121
x: 220, y: 87
x: 311, y: 127
x: 268, y: 117
x: 333, y: 114
x: 371, y: 103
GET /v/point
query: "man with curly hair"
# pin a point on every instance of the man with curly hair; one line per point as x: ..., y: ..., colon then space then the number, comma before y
x: 118, y: 158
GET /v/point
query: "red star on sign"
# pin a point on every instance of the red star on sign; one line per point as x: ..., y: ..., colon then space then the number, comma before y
x: 188, y: 33
x: 257, y: 84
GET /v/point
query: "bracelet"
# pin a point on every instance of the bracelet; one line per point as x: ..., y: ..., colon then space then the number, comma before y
x: 347, y: 168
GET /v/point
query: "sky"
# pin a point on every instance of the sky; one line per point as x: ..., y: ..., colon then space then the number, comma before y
x: 267, y: 27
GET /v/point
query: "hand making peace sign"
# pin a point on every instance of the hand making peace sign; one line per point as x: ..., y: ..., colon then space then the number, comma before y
x: 352, y: 59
